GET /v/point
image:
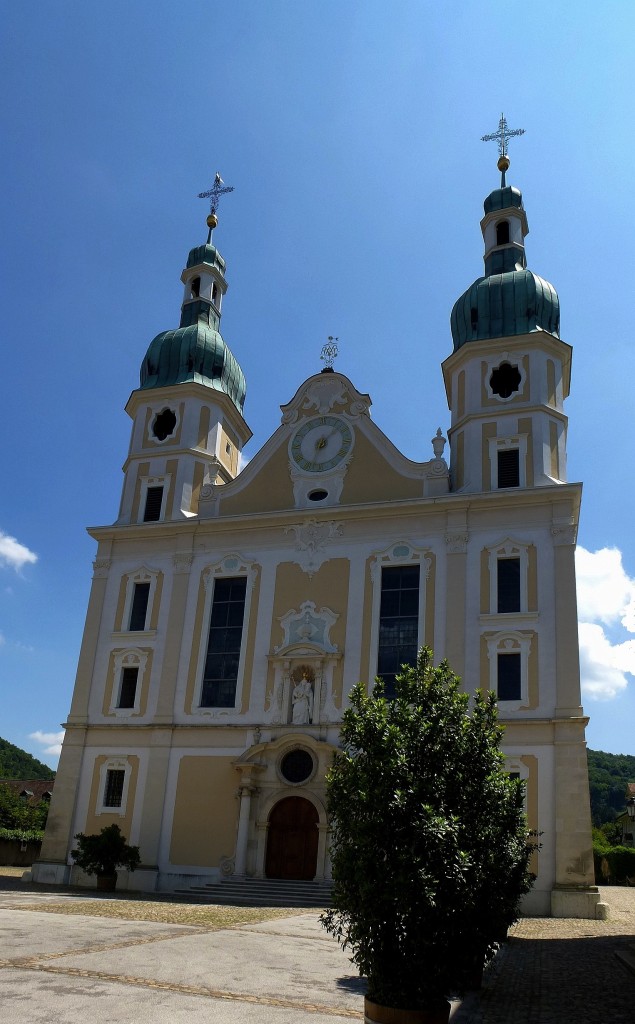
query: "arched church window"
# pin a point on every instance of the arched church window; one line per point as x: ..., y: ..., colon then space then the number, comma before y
x: 195, y: 288
x: 502, y: 232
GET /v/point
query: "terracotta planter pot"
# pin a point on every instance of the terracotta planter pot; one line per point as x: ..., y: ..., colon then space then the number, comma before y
x: 107, y: 883
x: 376, y: 1014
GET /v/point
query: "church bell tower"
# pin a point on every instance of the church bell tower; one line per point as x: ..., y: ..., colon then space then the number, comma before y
x: 509, y: 373
x: 188, y: 427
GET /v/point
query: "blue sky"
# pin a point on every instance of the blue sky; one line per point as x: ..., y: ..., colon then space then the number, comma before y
x: 351, y: 132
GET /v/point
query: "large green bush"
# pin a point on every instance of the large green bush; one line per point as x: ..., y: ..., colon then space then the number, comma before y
x: 614, y: 865
x: 429, y: 842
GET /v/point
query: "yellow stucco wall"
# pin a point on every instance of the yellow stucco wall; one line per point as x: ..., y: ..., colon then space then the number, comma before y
x: 205, y: 811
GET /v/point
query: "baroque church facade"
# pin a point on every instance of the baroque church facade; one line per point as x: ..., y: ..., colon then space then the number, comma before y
x: 232, y: 611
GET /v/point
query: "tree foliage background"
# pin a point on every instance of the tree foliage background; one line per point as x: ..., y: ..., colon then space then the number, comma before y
x: 608, y: 777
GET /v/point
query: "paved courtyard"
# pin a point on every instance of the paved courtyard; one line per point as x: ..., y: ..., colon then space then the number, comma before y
x: 114, y: 971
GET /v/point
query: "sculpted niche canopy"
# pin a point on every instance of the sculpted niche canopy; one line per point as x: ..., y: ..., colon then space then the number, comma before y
x: 233, y: 609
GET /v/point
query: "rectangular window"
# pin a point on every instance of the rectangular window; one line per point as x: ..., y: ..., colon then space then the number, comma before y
x: 509, y: 683
x: 154, y: 500
x: 508, y: 467
x: 139, y: 607
x: 398, y: 622
x: 128, y: 687
x: 113, y: 791
x: 225, y: 637
x: 508, y: 584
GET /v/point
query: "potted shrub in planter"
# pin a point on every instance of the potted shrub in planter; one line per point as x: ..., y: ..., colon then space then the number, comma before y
x: 429, y: 842
x: 101, y: 854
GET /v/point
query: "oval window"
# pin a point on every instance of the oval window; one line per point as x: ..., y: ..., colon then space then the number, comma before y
x: 318, y: 495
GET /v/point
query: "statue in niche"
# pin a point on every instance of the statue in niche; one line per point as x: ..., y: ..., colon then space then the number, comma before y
x: 302, y: 701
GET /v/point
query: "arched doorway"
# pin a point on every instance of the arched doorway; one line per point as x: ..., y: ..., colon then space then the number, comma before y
x: 292, y: 839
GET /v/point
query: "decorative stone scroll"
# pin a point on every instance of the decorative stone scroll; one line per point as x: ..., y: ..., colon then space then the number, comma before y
x: 311, y: 542
x: 456, y: 543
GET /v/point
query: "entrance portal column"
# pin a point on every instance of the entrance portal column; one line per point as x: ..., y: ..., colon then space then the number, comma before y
x: 240, y: 863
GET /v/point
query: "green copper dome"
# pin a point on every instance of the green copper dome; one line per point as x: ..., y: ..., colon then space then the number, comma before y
x: 195, y: 350
x: 194, y: 353
x: 509, y: 299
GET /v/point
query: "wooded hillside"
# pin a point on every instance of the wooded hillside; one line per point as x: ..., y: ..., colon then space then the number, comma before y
x: 608, y: 776
x: 17, y: 764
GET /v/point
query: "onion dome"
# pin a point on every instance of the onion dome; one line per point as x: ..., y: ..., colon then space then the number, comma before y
x: 195, y: 351
x: 509, y: 299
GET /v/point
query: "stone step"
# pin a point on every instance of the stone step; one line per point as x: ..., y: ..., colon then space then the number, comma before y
x: 263, y: 892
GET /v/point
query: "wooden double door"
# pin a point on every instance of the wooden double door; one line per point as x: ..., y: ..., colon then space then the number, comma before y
x: 292, y: 839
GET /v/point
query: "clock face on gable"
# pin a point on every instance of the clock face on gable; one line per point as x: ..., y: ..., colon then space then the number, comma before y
x: 321, y: 443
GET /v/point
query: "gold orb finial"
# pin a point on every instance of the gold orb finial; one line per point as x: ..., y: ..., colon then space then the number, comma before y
x: 503, y: 163
x: 212, y: 221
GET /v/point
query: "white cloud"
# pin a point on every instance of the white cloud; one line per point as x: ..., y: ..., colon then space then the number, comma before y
x: 606, y: 614
x: 243, y: 460
x: 51, y: 741
x: 14, y: 555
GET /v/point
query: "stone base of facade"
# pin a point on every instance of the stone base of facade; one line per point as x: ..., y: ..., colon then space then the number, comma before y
x: 51, y: 872
x: 583, y: 902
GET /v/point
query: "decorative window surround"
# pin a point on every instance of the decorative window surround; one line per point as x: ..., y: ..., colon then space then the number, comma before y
x: 510, y: 642
x: 517, y: 442
x: 131, y: 658
x: 232, y: 564
x: 156, y: 411
x: 141, y: 575
x: 153, y: 481
x: 401, y: 553
x: 515, y: 766
x: 516, y: 360
x: 508, y: 549
x: 113, y: 764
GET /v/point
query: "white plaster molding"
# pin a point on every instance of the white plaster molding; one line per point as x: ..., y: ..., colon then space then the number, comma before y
x: 308, y: 625
x: 563, y: 533
x: 156, y: 409
x: 508, y: 549
x: 182, y: 563
x: 113, y: 764
x: 141, y: 575
x: 311, y: 542
x: 325, y: 392
x: 514, y: 359
x: 517, y: 441
x: 132, y: 657
x: 456, y: 543
x: 510, y: 642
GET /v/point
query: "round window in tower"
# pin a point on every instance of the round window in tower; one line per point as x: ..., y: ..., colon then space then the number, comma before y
x: 297, y: 766
x: 163, y: 424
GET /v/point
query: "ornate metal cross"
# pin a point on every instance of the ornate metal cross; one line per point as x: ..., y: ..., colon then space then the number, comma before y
x: 215, y: 192
x: 502, y: 135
